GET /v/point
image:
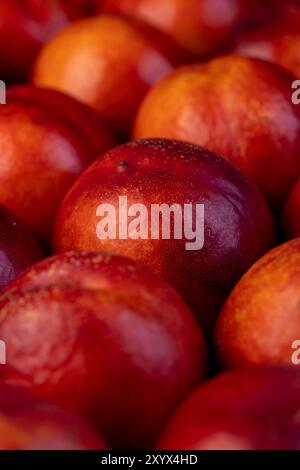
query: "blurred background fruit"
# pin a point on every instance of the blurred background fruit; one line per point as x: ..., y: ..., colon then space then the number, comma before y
x: 260, y: 320
x: 250, y: 409
x: 88, y: 60
x: 47, y: 139
x: 26, y: 25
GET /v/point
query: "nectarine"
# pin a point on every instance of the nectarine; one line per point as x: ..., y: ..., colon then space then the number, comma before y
x: 28, y: 423
x: 290, y: 216
x: 238, y: 227
x: 25, y: 25
x: 260, y: 320
x: 18, y: 247
x: 104, y: 338
x: 198, y: 26
x: 238, y: 107
x: 89, y: 61
x: 255, y: 409
x: 277, y: 42
x: 96, y: 134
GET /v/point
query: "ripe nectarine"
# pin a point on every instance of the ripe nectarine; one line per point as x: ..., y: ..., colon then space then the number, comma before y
x: 240, y: 108
x: 255, y: 409
x: 28, y: 423
x: 200, y: 27
x: 260, y: 320
x: 104, y: 338
x: 238, y: 227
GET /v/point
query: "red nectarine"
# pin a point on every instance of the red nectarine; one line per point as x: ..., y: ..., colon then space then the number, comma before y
x: 238, y: 107
x: 104, y: 338
x: 44, y: 146
x: 25, y: 25
x: 18, y: 247
x: 28, y: 423
x: 255, y: 409
x: 89, y: 61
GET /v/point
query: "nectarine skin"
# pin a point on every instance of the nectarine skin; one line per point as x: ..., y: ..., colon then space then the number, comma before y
x: 89, y: 62
x: 238, y: 225
x: 25, y: 26
x: 28, y: 423
x: 42, y: 152
x: 106, y: 339
x: 198, y: 26
x: 240, y: 108
x: 260, y: 320
x: 18, y: 247
x: 250, y: 409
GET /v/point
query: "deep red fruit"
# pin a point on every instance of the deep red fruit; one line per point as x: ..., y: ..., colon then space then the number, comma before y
x: 105, y: 338
x: 259, y: 322
x: 255, y: 409
x: 18, y: 247
x: 27, y: 423
x: 238, y: 224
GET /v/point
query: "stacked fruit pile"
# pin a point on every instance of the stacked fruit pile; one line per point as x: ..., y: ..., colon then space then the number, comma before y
x: 115, y: 333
